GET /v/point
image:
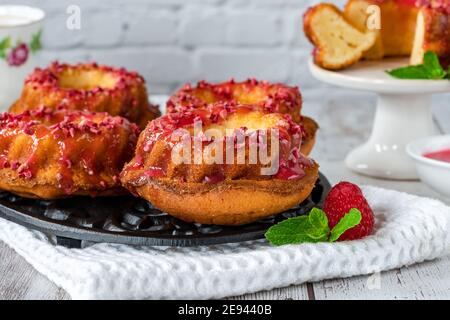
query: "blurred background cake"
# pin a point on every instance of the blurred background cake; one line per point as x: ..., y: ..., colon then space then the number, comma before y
x: 408, y: 27
x: 375, y: 29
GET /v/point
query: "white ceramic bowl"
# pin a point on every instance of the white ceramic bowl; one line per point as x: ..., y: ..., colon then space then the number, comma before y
x: 434, y: 173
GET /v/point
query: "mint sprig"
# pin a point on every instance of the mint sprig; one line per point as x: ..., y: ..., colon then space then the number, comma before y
x: 431, y: 69
x: 312, y: 228
x: 350, y: 220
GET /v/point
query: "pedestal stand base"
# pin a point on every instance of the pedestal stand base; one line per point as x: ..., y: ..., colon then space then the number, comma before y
x: 399, y: 120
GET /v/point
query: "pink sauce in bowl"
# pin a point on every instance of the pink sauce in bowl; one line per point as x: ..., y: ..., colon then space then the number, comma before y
x: 431, y: 156
x: 441, y: 155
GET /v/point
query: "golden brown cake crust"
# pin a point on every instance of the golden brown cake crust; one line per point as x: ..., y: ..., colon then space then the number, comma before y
x: 235, y: 193
x: 88, y: 87
x: 309, y: 140
x: 51, y: 154
x: 36, y: 189
x: 228, y: 203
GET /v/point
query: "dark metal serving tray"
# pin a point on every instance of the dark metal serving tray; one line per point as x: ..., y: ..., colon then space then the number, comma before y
x: 134, y: 221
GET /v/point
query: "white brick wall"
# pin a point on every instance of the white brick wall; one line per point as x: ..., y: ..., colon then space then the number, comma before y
x: 174, y: 41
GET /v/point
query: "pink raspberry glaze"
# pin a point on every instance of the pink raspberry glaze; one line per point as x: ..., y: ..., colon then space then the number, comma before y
x: 74, y: 135
x: 278, y: 97
x: 116, y: 91
x: 443, y: 5
x: 434, y: 4
x: 49, y: 77
x: 292, y: 162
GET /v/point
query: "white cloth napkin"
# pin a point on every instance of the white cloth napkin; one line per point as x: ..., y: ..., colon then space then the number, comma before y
x: 409, y: 229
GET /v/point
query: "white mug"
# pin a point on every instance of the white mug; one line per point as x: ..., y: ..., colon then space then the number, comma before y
x: 20, y: 40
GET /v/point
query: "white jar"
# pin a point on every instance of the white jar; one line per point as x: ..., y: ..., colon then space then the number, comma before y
x: 20, y: 35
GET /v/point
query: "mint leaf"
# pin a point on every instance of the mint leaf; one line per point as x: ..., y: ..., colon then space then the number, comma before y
x: 350, y: 220
x: 311, y: 228
x: 35, y: 44
x: 431, y: 69
x: 295, y: 230
x: 318, y: 218
x: 431, y: 60
x: 433, y: 66
x: 319, y: 224
x: 411, y: 72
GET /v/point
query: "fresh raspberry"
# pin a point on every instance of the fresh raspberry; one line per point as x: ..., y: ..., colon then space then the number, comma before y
x: 343, y: 197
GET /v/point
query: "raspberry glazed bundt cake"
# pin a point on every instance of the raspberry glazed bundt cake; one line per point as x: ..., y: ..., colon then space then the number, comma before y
x: 408, y: 27
x: 47, y: 153
x: 88, y: 87
x: 200, y: 165
x: 432, y: 32
x: 270, y: 97
x: 338, y: 44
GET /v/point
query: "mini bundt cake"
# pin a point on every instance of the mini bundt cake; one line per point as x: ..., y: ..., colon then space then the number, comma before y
x: 274, y: 97
x: 338, y: 44
x: 47, y: 153
x: 408, y: 27
x: 271, y: 97
x: 88, y: 87
x: 201, y: 165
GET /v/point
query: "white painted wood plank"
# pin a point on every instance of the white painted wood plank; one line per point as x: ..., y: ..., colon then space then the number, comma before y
x: 18, y: 279
x: 289, y: 293
x: 428, y: 280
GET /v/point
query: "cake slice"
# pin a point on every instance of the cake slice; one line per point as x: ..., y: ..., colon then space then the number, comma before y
x: 432, y: 34
x: 337, y: 43
x: 356, y: 12
x: 397, y: 22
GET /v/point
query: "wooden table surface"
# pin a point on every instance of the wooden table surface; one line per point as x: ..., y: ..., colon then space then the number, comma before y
x: 345, y: 120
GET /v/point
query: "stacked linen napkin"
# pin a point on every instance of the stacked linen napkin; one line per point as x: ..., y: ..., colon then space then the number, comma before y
x: 409, y: 229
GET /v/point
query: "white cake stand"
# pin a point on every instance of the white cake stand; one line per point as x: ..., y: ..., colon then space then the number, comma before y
x: 403, y: 114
